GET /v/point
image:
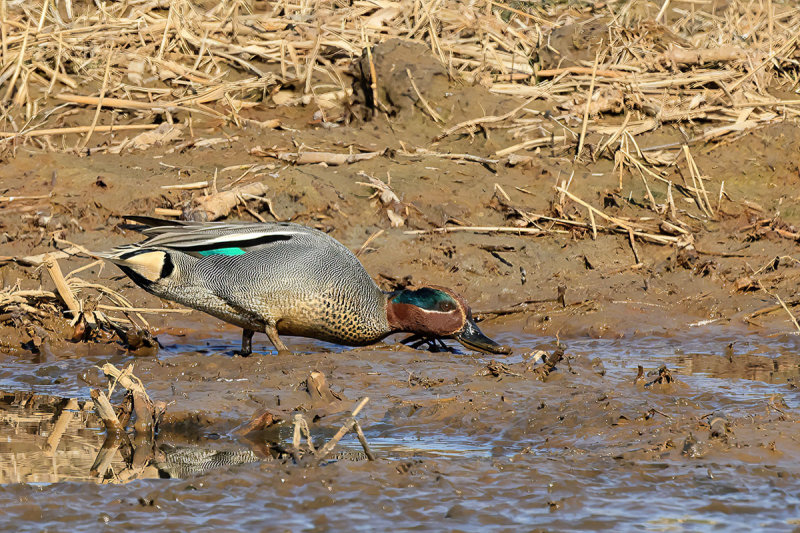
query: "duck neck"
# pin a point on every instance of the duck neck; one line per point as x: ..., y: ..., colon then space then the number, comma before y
x: 405, y: 317
x: 393, y: 319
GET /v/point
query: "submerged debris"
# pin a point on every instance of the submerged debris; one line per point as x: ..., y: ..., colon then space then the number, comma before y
x: 497, y: 369
x: 719, y: 427
x: 543, y: 371
x: 663, y: 376
x: 319, y: 390
x: 691, y: 447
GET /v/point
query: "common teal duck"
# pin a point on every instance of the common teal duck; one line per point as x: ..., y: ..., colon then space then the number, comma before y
x: 286, y: 279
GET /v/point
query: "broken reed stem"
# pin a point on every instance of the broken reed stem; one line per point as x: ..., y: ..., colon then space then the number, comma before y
x: 533, y: 143
x: 123, y: 377
x: 671, y: 202
x: 120, y: 103
x: 363, y: 440
x: 585, y: 124
x: 60, y: 426
x: 18, y: 68
x: 373, y: 75
x: 498, y: 229
x: 650, y: 197
x: 554, y: 72
x: 782, y: 305
x: 594, y: 226
x: 662, y: 11
x: 166, y: 32
x: 84, y: 267
x: 626, y: 226
x: 55, y: 73
x: 78, y: 129
x: 296, y: 435
x: 301, y: 428
x: 633, y: 247
x: 761, y: 65
x: 702, y: 201
x: 616, y: 135
x: 166, y: 212
x: 434, y: 115
x: 613, y: 220
x: 347, y: 426
x: 105, y: 411
x: 472, y: 123
x: 186, y: 186
x: 62, y: 286
x: 369, y: 240
x: 422, y: 152
x: 103, y: 88
x: 791, y: 315
x: 770, y: 309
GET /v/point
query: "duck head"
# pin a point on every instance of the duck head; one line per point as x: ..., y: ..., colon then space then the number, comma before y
x: 438, y: 312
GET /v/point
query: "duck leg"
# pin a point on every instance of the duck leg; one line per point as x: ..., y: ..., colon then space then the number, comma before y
x: 272, y: 333
x: 435, y: 344
x: 247, y: 343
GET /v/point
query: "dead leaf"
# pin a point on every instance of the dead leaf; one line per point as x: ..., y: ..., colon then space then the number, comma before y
x: 216, y: 206
x: 163, y: 134
x: 136, y: 70
x: 388, y: 199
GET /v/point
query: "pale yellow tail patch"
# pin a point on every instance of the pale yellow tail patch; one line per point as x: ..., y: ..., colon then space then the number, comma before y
x: 148, y: 265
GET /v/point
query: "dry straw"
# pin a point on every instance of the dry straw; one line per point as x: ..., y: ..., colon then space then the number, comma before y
x: 179, y: 58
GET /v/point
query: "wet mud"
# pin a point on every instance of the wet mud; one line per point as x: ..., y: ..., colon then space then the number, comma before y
x: 462, y: 440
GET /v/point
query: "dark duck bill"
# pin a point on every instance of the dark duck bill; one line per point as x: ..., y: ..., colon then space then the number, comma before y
x: 472, y: 337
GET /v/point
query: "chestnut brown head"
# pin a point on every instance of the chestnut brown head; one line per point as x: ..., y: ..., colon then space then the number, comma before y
x: 438, y: 312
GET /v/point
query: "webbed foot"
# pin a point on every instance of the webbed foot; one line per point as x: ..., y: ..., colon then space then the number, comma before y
x: 435, y: 344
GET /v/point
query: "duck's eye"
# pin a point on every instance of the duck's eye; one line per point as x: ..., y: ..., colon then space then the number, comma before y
x: 447, y: 306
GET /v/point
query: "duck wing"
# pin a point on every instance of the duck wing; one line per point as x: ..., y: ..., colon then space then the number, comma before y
x: 213, y: 238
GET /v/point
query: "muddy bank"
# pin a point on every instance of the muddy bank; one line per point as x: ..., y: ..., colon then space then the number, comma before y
x: 611, y: 287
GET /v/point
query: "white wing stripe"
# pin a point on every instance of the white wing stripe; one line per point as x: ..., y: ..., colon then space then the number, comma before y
x: 227, y: 239
x: 183, y: 240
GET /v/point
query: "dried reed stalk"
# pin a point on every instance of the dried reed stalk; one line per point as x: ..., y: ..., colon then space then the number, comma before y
x: 187, y: 58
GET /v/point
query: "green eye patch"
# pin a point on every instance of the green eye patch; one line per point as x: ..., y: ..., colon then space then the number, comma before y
x: 426, y: 298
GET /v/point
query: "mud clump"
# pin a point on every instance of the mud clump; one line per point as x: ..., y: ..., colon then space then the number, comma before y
x: 572, y: 44
x: 405, y: 81
x: 384, y: 73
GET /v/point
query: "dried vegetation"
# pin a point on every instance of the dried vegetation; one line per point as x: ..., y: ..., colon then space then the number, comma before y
x: 137, y: 60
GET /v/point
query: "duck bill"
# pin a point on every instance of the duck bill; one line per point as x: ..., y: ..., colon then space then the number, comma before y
x: 472, y: 337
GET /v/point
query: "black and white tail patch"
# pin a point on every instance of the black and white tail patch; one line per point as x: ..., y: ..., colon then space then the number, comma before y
x: 150, y: 265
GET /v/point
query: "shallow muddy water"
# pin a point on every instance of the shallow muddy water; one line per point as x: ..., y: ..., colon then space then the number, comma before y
x: 458, y: 447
